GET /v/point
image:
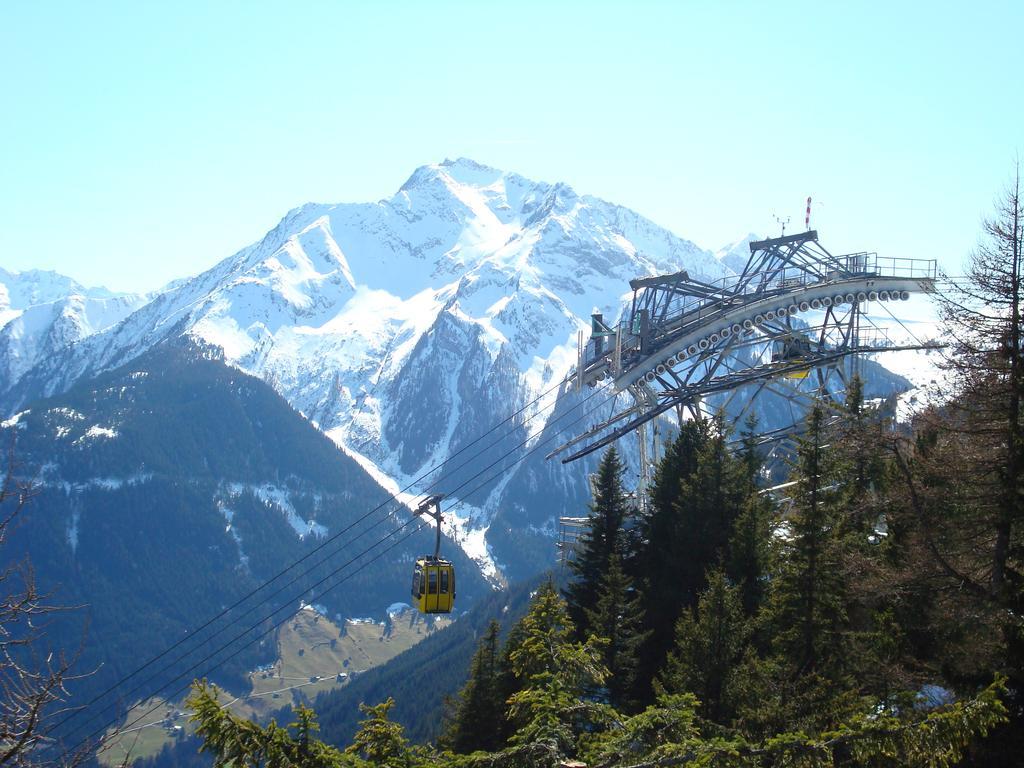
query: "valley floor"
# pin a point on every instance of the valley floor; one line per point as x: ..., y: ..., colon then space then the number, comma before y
x: 315, y: 655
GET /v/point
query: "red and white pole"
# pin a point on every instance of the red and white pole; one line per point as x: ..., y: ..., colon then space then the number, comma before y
x: 807, y: 220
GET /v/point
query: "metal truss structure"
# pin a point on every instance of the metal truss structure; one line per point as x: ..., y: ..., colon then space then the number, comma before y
x: 684, y: 340
x: 570, y: 529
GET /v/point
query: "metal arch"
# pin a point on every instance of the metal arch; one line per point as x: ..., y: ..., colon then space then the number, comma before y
x: 685, y: 339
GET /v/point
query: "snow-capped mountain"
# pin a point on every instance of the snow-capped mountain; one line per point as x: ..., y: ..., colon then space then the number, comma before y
x: 405, y: 329
x: 42, y: 312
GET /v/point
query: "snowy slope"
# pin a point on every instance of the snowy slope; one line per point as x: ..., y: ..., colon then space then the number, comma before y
x: 734, y: 255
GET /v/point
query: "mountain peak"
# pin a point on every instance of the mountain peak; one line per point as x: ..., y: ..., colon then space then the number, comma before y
x: 466, y: 163
x: 461, y: 172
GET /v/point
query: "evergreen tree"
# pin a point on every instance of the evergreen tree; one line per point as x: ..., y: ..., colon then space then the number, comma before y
x: 751, y: 539
x: 710, y: 645
x: 663, y: 548
x: 684, y: 541
x: 239, y: 743
x: 550, y: 708
x: 706, y: 511
x: 808, y: 607
x: 877, y: 654
x: 557, y: 722
x: 508, y: 683
x: 750, y: 551
x: 380, y: 741
x: 859, y: 457
x: 618, y: 618
x: 666, y: 734
x: 600, y: 542
x: 479, y: 707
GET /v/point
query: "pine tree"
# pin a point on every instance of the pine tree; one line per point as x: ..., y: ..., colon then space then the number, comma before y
x: 663, y: 548
x: 479, y: 707
x: 508, y: 683
x: 602, y: 539
x: 711, y: 642
x: 808, y: 608
x: 750, y: 551
x: 237, y: 742
x: 379, y: 740
x: 859, y: 456
x: 751, y: 540
x: 706, y: 511
x: 876, y: 653
x: 699, y: 492
x: 803, y: 678
x: 555, y: 672
x: 618, y: 618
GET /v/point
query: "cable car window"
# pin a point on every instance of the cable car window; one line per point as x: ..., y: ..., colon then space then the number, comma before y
x: 417, y: 582
x: 432, y: 584
x: 444, y: 582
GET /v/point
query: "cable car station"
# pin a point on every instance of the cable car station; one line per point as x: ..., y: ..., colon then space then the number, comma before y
x: 683, y: 340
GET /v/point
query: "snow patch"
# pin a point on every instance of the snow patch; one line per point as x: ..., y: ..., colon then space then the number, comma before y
x: 14, y: 420
x: 95, y: 432
x: 73, y: 528
x: 229, y: 515
x: 280, y: 498
x: 316, y: 608
x: 470, y: 532
x: 69, y: 413
x: 101, y: 483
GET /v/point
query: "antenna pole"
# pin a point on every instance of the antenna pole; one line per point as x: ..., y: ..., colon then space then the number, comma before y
x: 807, y: 219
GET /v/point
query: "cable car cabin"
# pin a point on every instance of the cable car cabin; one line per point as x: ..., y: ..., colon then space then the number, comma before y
x: 792, y: 349
x: 433, y: 585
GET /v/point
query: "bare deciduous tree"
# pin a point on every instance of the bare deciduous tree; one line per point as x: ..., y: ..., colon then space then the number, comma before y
x: 984, y: 315
x: 33, y: 697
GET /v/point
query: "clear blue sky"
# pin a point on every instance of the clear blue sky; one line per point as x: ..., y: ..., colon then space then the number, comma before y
x: 143, y: 141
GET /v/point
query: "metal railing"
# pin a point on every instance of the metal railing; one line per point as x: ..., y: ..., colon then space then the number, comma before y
x: 890, y: 266
x: 874, y: 338
x: 792, y: 278
x: 697, y: 310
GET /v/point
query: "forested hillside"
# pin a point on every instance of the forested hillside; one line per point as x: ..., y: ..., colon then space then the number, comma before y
x: 168, y: 490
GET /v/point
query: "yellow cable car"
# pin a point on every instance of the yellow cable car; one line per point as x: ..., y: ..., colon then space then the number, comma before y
x: 433, y: 585
x: 791, y: 349
x: 433, y: 579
